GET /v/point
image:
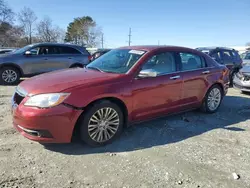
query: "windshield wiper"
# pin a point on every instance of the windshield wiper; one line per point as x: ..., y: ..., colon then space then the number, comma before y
x: 95, y: 68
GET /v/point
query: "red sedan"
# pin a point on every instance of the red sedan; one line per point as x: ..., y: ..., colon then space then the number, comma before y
x: 124, y: 86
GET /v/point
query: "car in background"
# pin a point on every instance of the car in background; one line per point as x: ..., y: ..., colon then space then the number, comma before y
x: 4, y: 51
x: 242, y: 79
x: 246, y: 58
x: 40, y: 58
x: 126, y: 85
x: 225, y: 56
x: 99, y: 53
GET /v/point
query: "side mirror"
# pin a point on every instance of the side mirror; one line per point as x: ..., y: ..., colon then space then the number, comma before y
x: 148, y: 73
x: 27, y: 53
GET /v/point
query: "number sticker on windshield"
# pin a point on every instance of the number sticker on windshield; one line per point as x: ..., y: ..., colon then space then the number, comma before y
x: 138, y: 52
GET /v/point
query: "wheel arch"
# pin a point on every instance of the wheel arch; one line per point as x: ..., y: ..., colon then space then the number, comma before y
x: 114, y: 100
x: 12, y: 65
x: 216, y: 83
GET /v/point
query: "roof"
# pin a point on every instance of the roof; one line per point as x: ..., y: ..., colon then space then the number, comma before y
x: 214, y: 47
x: 55, y: 43
x: 155, y: 47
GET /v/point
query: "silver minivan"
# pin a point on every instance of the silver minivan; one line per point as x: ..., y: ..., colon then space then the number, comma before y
x: 40, y: 58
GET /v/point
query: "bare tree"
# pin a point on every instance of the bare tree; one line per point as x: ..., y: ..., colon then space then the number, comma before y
x: 93, y: 38
x: 6, y: 13
x: 27, y: 19
x: 47, y: 32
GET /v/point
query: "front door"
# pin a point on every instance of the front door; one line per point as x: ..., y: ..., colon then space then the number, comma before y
x: 155, y: 96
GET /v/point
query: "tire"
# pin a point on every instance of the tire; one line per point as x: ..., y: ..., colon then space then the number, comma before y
x: 206, y: 107
x: 92, y: 114
x: 76, y: 66
x: 11, y: 71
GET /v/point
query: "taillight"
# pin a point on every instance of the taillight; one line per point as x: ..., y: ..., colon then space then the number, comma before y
x: 89, y: 57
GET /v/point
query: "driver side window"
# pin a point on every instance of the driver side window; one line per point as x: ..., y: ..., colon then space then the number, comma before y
x: 162, y: 63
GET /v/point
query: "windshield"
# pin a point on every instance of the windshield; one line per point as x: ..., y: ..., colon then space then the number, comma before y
x: 23, y: 49
x: 116, y: 61
x: 247, y: 56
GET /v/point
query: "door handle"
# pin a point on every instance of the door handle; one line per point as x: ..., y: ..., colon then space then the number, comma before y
x: 69, y: 57
x: 45, y: 58
x: 174, y: 77
x: 206, y: 72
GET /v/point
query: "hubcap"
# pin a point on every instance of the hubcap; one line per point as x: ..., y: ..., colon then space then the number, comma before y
x: 103, y: 124
x: 9, y: 76
x: 214, y: 99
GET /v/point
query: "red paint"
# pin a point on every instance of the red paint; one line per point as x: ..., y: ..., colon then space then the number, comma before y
x: 144, y: 98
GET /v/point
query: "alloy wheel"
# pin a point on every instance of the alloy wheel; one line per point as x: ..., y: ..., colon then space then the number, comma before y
x: 103, y: 124
x: 214, y: 99
x: 9, y: 76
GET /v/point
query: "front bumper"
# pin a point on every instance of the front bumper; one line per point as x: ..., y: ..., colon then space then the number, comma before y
x: 52, y: 125
x: 241, y: 85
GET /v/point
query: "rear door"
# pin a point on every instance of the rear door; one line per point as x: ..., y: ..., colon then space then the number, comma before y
x: 75, y: 56
x: 195, y: 73
x: 57, y: 59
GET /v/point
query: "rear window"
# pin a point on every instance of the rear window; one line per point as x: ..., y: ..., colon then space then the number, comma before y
x: 69, y: 50
x: 236, y: 54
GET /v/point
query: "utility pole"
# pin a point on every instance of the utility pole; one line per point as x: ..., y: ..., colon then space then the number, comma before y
x: 102, y: 40
x: 158, y: 43
x: 129, y: 37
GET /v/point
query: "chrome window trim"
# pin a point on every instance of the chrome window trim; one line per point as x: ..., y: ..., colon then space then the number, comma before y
x: 178, y: 72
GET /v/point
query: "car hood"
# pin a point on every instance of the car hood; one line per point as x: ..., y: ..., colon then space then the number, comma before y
x: 245, y: 70
x: 59, y: 81
x: 246, y: 62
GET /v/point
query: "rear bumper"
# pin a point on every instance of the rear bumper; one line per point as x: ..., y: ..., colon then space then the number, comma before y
x: 53, y: 125
x: 241, y: 85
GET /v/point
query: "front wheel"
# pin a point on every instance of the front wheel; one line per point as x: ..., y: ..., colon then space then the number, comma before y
x: 9, y: 75
x: 212, y: 99
x: 101, y: 124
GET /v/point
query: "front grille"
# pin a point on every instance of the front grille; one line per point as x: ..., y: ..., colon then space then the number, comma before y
x: 18, y: 98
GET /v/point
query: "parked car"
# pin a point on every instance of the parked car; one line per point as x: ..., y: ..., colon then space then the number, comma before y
x: 242, y: 79
x: 125, y: 86
x: 40, y: 58
x: 225, y: 56
x: 4, y: 51
x: 99, y: 53
x: 246, y: 58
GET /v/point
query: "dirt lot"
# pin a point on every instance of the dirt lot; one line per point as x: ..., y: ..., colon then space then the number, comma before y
x: 186, y: 150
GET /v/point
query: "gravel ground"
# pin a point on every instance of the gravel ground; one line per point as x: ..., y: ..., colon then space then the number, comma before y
x: 186, y: 150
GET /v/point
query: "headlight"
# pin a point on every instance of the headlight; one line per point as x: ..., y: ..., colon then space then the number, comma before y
x: 46, y: 100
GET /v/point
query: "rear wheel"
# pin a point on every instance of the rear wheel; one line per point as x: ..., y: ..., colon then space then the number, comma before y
x: 212, y: 99
x: 9, y: 75
x: 101, y: 124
